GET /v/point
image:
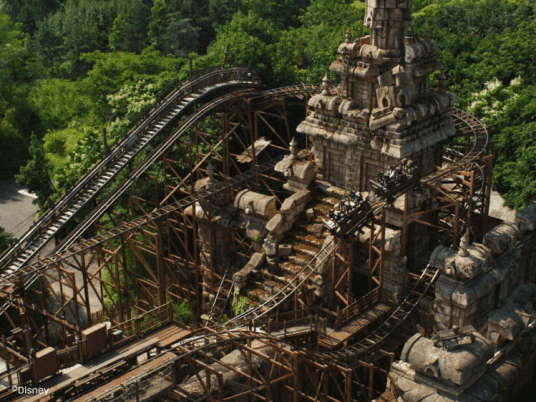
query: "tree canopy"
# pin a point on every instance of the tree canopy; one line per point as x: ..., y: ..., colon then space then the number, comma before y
x: 70, y: 68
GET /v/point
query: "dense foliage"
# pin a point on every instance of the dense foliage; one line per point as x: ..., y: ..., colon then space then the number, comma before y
x: 70, y: 68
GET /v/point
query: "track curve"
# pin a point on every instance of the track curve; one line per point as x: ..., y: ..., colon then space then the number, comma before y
x: 480, y: 141
x: 89, y: 186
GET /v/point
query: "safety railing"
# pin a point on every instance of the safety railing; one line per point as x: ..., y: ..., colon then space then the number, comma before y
x: 212, y: 78
x: 69, y: 356
x: 147, y: 386
x: 354, y: 309
x: 141, y: 324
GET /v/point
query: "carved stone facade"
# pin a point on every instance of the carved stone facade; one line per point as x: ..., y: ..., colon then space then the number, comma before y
x: 490, y: 289
x: 384, y: 109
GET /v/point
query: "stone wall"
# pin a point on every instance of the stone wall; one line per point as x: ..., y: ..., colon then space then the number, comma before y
x: 486, y: 286
x: 346, y: 152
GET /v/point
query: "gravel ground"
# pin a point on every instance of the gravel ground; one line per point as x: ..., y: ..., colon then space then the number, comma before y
x: 17, y: 212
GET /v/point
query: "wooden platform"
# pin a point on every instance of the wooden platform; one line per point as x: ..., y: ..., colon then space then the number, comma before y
x: 76, y: 375
x: 122, y: 380
x: 335, y: 337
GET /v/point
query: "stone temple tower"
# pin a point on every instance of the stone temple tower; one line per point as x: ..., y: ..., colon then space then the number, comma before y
x: 383, y: 109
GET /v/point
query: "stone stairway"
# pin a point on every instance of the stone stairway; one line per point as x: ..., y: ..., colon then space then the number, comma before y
x: 306, y: 244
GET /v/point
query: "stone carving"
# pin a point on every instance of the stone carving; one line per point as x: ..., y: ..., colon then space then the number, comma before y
x: 384, y: 103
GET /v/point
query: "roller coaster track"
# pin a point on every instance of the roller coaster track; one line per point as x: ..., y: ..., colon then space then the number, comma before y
x: 87, y: 188
x: 349, y: 355
x: 69, y: 248
x: 466, y: 124
x: 469, y: 125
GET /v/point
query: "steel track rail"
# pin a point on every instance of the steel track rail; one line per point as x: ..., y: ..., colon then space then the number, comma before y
x: 292, y: 90
x: 165, y: 146
x: 408, y: 305
x: 481, y: 139
x: 401, y: 313
x: 85, y: 245
x: 92, y: 183
x: 389, y: 326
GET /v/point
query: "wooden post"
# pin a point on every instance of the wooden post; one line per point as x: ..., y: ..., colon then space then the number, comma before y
x: 105, y: 141
x: 382, y: 249
x: 220, y: 386
x: 405, y: 225
x: 225, y: 53
x: 47, y: 330
x: 160, y: 264
x: 6, y: 357
x: 295, y: 371
x: 348, y: 385
x: 371, y: 382
x: 470, y: 203
x: 349, y: 263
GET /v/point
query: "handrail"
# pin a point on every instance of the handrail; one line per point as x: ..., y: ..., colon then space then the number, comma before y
x: 133, y: 325
x: 361, y: 304
x: 218, y: 75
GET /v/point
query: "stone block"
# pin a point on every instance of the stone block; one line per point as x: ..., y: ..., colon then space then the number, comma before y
x: 298, y: 261
x: 526, y: 218
x: 284, y: 250
x: 269, y: 286
x: 310, y: 214
x: 444, y: 289
x: 318, y: 228
x: 502, y: 238
x: 444, y: 308
x: 380, y: 14
x: 249, y: 271
x: 386, y: 79
x: 396, y: 14
x: 275, y: 224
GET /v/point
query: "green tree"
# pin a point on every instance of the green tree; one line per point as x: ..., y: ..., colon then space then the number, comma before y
x: 35, y: 175
x: 136, y: 15
x: 118, y: 38
x: 81, y: 27
x: 283, y: 13
x: 16, y: 116
x: 192, y: 15
x: 157, y: 25
x: 29, y: 12
x: 5, y: 240
x: 251, y: 38
x: 222, y: 11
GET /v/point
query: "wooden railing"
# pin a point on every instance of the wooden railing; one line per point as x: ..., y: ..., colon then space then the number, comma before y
x: 143, y: 323
x: 69, y: 356
x: 11, y: 378
x: 366, y: 302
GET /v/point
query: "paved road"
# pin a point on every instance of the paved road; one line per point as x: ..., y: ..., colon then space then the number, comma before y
x: 17, y: 212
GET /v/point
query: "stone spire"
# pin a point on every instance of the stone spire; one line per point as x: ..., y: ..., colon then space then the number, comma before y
x: 464, y: 245
x: 348, y: 36
x: 210, y: 173
x: 293, y: 148
x: 326, y: 85
x: 388, y: 21
x: 442, y: 83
